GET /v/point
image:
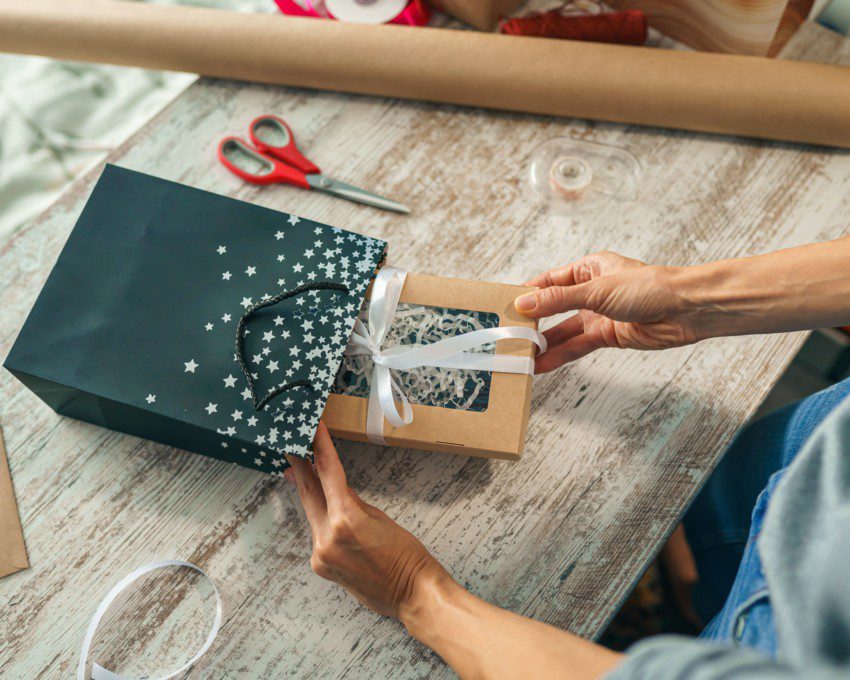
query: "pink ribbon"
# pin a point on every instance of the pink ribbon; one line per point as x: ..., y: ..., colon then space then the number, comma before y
x: 417, y: 13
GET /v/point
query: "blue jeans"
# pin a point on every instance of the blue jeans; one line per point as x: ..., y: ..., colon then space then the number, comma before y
x: 726, y: 518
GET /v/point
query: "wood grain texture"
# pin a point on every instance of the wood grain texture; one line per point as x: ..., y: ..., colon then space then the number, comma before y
x: 759, y: 28
x: 618, y: 442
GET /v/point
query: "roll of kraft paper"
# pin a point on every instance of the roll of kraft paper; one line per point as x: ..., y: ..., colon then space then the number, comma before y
x: 752, y: 96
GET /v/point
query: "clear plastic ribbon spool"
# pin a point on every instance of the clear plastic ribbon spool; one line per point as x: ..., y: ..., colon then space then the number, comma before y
x: 572, y: 177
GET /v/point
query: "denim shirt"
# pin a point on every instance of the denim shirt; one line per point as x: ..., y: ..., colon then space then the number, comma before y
x: 788, y: 613
x: 747, y: 617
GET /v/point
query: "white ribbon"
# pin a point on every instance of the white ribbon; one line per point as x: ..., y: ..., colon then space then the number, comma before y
x: 447, y: 353
x: 101, y: 673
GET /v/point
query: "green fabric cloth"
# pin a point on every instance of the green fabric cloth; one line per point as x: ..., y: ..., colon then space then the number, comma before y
x: 57, y: 119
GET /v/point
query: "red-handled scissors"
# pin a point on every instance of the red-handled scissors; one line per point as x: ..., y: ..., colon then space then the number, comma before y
x: 274, y: 159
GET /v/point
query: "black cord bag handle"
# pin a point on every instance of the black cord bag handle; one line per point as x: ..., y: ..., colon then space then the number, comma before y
x: 260, y: 404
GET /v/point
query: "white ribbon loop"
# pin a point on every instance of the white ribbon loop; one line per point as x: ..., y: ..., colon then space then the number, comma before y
x: 447, y: 353
x: 101, y: 673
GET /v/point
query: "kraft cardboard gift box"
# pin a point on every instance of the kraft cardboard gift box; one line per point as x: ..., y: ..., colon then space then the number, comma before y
x: 496, y: 431
x: 481, y: 14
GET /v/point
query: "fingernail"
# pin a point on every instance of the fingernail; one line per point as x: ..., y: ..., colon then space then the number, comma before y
x: 526, y: 302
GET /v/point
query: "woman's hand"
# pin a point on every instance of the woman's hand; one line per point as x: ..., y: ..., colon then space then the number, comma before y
x: 626, y: 303
x: 387, y: 569
x: 622, y: 303
x: 354, y: 544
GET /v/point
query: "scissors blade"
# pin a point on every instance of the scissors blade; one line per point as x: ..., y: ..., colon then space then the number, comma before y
x: 352, y: 193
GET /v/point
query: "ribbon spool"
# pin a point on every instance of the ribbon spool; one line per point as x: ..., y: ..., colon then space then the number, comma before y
x: 414, y: 13
x: 571, y: 176
x: 365, y: 11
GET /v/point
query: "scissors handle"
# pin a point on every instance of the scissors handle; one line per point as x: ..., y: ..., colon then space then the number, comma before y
x: 246, y: 162
x: 272, y: 136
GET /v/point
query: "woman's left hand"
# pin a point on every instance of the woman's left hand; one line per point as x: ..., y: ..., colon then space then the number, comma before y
x: 355, y: 544
x: 387, y: 569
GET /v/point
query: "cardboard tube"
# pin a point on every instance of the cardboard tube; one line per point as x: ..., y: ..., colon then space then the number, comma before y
x: 752, y: 96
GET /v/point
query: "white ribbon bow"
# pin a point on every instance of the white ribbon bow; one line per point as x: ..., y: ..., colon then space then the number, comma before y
x: 447, y: 353
x: 99, y: 672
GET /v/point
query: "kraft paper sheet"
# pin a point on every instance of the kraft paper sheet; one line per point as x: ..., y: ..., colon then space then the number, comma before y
x: 731, y: 94
x: 13, y: 552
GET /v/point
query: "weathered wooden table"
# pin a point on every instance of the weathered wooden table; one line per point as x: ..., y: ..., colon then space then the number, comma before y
x: 618, y: 442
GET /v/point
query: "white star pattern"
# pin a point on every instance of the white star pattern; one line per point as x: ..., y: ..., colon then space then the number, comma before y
x: 151, y: 398
x: 300, y: 339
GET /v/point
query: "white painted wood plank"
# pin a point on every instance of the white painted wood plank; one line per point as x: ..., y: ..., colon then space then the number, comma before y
x: 618, y: 442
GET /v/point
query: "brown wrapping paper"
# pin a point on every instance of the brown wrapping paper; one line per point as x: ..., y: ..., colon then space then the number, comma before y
x: 482, y: 14
x: 497, y: 432
x: 743, y: 95
x: 13, y: 552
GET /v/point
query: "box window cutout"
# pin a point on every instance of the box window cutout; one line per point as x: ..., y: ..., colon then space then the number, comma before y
x: 414, y: 324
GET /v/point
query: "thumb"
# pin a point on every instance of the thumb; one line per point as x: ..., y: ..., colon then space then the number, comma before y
x: 555, y: 299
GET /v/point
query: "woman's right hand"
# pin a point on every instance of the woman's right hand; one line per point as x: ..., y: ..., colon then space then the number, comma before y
x: 628, y: 304
x: 621, y: 303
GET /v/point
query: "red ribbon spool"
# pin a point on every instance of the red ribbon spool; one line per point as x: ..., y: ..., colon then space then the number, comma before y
x: 624, y: 28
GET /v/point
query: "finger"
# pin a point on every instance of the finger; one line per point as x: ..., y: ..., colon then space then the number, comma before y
x: 309, y: 491
x: 560, y: 276
x: 555, y: 299
x: 370, y: 510
x: 568, y: 328
x: 329, y: 469
x: 568, y: 351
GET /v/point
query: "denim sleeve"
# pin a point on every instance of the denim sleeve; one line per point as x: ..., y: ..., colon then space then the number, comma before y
x: 805, y: 550
x: 674, y: 657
